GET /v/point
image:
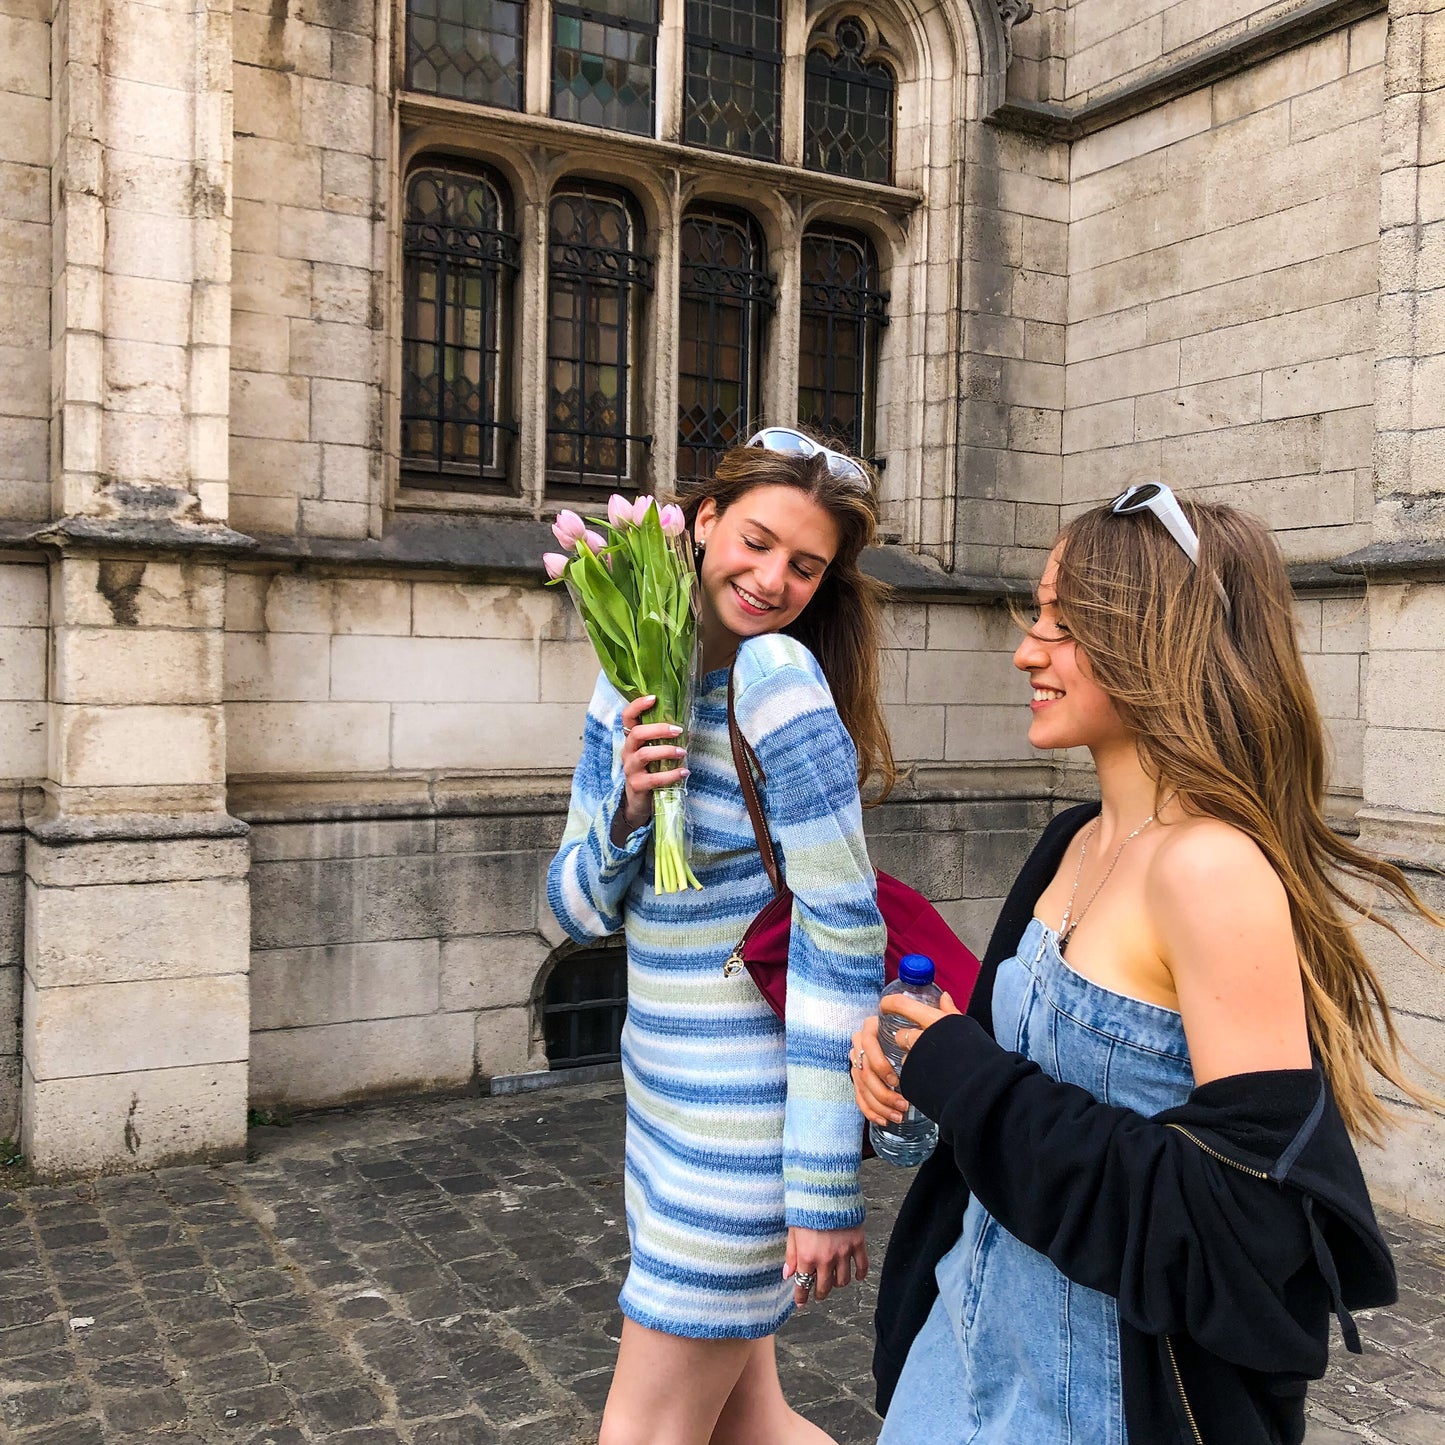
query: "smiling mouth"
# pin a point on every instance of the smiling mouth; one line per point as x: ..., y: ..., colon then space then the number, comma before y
x: 1046, y: 694
x: 753, y: 604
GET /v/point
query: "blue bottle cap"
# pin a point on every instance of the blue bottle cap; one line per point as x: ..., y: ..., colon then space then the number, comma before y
x: 915, y: 968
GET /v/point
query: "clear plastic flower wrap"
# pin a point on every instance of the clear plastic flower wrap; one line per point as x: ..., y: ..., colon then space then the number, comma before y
x: 635, y: 589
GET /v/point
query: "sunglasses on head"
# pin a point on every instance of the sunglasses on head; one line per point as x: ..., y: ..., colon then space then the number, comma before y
x: 785, y: 439
x: 1156, y: 498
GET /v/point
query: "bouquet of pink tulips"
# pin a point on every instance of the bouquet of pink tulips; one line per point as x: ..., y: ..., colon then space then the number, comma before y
x: 635, y: 589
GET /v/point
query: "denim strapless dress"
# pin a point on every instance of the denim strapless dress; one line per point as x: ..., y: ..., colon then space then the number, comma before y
x: 1013, y: 1353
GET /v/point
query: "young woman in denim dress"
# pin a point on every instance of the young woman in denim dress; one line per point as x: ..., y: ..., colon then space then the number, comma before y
x: 1146, y: 1113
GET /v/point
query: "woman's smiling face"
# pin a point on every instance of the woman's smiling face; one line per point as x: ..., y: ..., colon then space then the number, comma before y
x: 1069, y: 707
x: 763, y: 558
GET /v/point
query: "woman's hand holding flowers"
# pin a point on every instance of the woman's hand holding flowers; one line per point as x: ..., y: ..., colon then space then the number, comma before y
x: 642, y: 745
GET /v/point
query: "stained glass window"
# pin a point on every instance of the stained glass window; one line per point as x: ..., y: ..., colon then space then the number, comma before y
x: 596, y: 268
x: 725, y: 293
x: 460, y: 256
x: 733, y: 69
x: 604, y: 63
x: 466, y: 49
x: 842, y: 312
x: 848, y: 106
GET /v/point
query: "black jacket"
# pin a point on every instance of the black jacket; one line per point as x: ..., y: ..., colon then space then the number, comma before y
x: 1227, y: 1229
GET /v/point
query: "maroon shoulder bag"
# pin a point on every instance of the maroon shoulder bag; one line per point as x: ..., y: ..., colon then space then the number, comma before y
x: 914, y: 924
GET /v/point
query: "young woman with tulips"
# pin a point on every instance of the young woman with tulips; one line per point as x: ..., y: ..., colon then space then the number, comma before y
x: 742, y: 1137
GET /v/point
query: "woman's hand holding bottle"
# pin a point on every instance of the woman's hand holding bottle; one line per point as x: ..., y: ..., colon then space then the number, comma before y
x: 875, y: 1084
x: 642, y: 745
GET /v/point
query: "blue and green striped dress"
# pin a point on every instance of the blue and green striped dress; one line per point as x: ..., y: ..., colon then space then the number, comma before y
x: 734, y: 1131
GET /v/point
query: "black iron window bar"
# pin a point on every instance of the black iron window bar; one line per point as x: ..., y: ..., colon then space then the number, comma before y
x: 584, y: 1008
x: 454, y: 433
x: 843, y: 315
x: 590, y: 446
x: 724, y: 303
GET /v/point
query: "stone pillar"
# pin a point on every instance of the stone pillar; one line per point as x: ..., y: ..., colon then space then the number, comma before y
x: 1403, y: 817
x: 135, y: 1009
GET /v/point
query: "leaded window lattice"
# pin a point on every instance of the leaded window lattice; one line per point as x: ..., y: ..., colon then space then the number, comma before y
x: 596, y: 272
x: 460, y: 256
x: 604, y: 63
x: 467, y: 49
x: 732, y: 86
x: 848, y: 105
x: 725, y: 293
x: 843, y: 311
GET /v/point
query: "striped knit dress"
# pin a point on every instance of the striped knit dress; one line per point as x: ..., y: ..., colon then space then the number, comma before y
x: 735, y: 1131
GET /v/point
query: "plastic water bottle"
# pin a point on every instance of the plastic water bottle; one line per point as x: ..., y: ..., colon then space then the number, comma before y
x: 910, y: 1142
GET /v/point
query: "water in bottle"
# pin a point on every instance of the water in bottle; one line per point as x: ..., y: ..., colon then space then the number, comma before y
x: 910, y: 1142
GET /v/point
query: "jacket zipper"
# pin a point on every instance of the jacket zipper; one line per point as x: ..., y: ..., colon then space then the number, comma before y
x: 1215, y: 1154
x: 1184, y: 1399
x: 1168, y: 1343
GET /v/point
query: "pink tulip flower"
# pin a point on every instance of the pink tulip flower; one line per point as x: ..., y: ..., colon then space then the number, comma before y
x: 555, y: 563
x: 640, y: 509
x: 673, y: 522
x: 595, y: 540
x: 619, y: 510
x: 568, y: 529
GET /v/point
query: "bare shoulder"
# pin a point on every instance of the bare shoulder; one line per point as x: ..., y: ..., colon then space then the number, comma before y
x: 1201, y: 866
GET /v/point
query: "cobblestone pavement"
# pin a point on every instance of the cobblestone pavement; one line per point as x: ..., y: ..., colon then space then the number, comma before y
x: 444, y: 1272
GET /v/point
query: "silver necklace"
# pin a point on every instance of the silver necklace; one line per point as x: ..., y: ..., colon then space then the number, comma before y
x: 1070, y: 921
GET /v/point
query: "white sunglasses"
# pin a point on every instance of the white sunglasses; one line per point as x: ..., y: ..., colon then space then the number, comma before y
x: 841, y: 467
x: 1155, y: 497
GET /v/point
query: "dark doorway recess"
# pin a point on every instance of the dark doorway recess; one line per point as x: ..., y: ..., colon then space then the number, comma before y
x: 584, y: 1007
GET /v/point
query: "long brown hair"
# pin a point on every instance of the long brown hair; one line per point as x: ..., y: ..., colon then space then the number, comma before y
x: 841, y: 625
x: 1225, y: 719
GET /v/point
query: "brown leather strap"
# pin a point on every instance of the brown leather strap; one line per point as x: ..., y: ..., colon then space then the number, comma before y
x: 745, y: 760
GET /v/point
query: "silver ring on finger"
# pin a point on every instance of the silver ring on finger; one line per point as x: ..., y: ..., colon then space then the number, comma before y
x: 627, y: 732
x: 858, y: 1058
x: 804, y: 1280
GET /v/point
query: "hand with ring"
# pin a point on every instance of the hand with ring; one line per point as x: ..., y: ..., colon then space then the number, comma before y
x: 875, y: 1081
x: 819, y: 1261
x: 642, y: 745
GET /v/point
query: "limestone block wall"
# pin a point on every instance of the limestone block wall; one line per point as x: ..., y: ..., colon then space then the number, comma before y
x: 24, y: 258
x: 1016, y: 234
x: 1222, y: 280
x: 1334, y: 634
x: 305, y: 415
x: 24, y: 612
x: 1108, y: 44
x: 402, y: 748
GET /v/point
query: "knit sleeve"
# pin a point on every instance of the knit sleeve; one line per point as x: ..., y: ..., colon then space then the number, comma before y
x: 835, y: 959
x: 589, y: 877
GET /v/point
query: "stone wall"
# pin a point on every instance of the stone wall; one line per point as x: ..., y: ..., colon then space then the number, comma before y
x: 307, y: 271
x: 24, y: 258
x: 1109, y: 44
x: 24, y: 613
x: 1222, y: 260
x: 402, y: 750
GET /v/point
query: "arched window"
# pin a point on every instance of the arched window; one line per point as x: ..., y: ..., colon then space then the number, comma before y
x: 460, y: 256
x: 848, y: 105
x: 583, y: 1009
x: 843, y: 310
x: 604, y: 63
x: 732, y: 86
x: 596, y: 271
x: 467, y: 49
x: 725, y: 293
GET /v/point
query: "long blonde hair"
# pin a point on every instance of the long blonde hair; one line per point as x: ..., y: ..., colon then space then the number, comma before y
x: 1225, y: 719
x: 841, y: 624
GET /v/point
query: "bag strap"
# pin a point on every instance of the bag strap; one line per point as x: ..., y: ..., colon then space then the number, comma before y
x: 745, y: 760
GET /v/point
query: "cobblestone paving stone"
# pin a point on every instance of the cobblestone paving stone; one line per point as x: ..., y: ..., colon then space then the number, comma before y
x: 443, y: 1273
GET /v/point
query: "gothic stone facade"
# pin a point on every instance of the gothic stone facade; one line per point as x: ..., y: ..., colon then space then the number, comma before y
x: 285, y: 718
